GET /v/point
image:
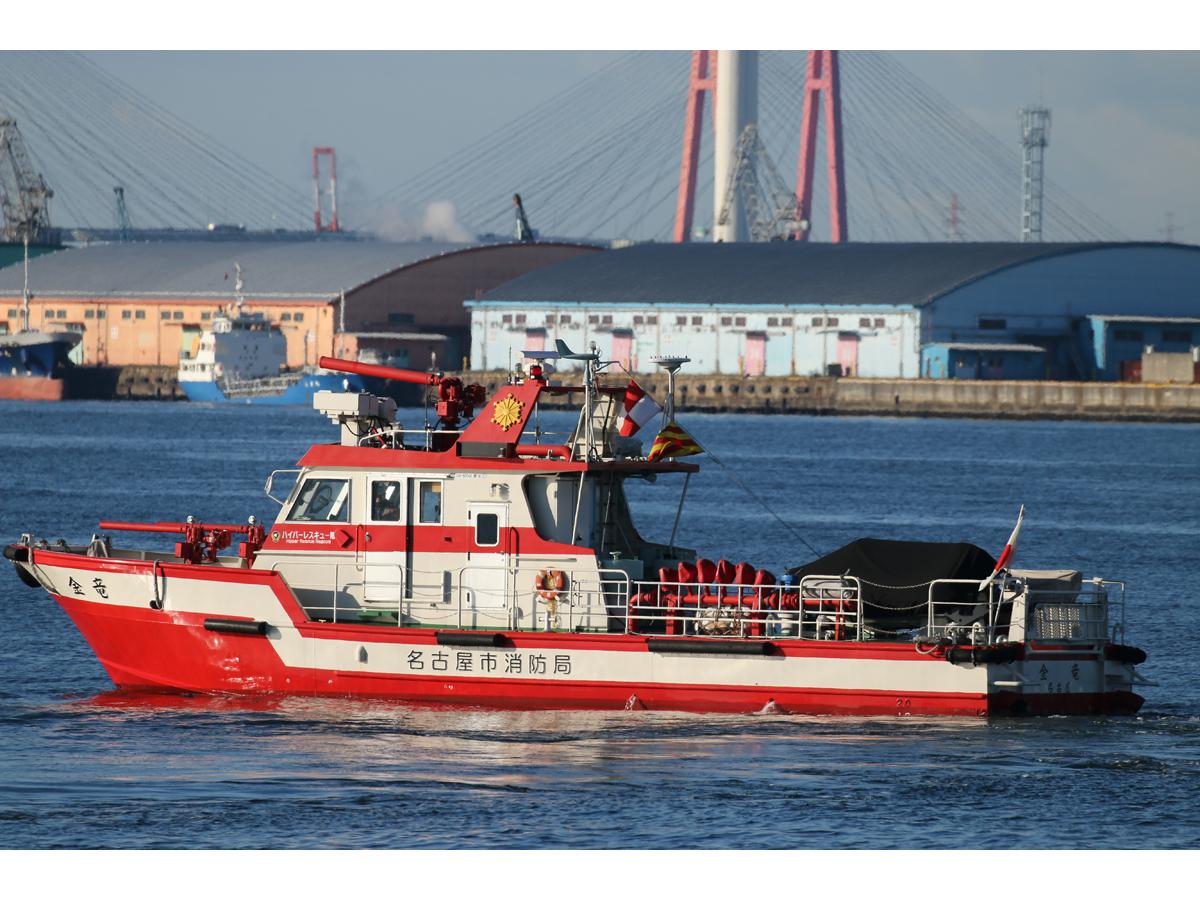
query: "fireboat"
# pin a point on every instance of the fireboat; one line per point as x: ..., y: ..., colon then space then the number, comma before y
x: 482, y: 561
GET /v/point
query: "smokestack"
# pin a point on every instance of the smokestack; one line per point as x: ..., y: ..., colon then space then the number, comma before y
x: 737, y: 107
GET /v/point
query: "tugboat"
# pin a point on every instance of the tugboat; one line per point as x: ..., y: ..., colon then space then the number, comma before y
x: 479, y: 563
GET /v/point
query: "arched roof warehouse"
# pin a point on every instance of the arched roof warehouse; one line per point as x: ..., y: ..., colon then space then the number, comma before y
x: 792, y: 273
x: 389, y: 287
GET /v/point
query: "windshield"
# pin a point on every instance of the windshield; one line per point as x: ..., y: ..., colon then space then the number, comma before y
x: 322, y: 500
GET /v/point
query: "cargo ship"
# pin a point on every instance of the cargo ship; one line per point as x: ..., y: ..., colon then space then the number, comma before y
x: 33, y: 364
x: 242, y: 358
x: 485, y: 562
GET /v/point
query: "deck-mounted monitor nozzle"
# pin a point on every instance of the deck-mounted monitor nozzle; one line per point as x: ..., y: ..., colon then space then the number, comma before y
x: 456, y: 400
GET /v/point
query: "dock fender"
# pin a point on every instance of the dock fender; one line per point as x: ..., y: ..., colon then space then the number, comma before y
x: 1125, y: 654
x: 19, y: 554
x: 1001, y: 653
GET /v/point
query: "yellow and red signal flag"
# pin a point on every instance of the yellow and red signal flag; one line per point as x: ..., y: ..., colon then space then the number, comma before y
x: 673, y: 441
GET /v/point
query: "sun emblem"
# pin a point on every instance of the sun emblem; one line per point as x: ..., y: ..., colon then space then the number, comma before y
x: 507, y: 412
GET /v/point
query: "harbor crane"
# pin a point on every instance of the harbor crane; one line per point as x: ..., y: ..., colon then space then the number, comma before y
x: 24, y: 196
x: 525, y: 234
x: 770, y: 207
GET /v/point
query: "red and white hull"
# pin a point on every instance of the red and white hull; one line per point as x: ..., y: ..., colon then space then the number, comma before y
x: 112, y: 603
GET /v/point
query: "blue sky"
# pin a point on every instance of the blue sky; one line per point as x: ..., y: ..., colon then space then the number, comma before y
x: 1125, y: 140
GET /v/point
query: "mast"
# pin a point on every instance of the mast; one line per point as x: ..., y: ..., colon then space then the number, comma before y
x: 25, y: 291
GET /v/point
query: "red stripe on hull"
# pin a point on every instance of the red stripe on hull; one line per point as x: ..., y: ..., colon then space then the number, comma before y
x: 30, y: 388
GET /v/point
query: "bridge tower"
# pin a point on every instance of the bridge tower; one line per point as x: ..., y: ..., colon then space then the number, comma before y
x: 318, y: 152
x: 703, y: 80
x: 823, y: 79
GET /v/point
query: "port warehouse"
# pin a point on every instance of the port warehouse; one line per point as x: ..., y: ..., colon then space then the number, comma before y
x: 143, y: 304
x: 948, y: 310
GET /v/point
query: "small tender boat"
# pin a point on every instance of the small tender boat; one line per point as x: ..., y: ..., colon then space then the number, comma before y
x: 479, y: 564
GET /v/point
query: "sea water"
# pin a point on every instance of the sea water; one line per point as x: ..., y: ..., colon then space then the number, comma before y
x: 82, y: 766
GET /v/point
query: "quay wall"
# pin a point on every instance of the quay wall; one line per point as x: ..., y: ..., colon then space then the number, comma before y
x: 1101, y: 401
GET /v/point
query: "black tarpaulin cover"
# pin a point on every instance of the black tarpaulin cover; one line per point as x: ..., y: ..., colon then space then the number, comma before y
x: 904, y: 569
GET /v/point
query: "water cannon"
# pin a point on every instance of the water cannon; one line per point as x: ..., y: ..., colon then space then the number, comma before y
x: 455, y: 402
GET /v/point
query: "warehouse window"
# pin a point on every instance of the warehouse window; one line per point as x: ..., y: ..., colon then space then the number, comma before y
x: 89, y: 314
x: 13, y: 313
x: 651, y: 320
x: 126, y: 314
x: 178, y: 314
x: 395, y: 318
x: 818, y: 321
x: 681, y: 320
x: 299, y: 317
x: 506, y: 319
x: 550, y: 319
x: 166, y: 314
x: 286, y: 317
x: 639, y: 320
x: 204, y: 316
x: 772, y: 321
x: 697, y: 320
x: 831, y: 321
x: 520, y: 318
x: 593, y: 320
x: 879, y: 323
x: 993, y: 324
x: 740, y: 321
x: 864, y: 322
x: 564, y: 319
x: 1177, y: 337
x: 140, y: 314
x: 100, y: 314
x: 786, y: 322
x: 1128, y: 334
x: 607, y: 320
x: 726, y: 320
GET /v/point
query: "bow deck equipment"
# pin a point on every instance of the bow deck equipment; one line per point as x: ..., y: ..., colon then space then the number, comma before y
x: 487, y: 562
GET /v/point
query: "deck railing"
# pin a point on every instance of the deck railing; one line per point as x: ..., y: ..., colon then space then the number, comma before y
x: 818, y: 607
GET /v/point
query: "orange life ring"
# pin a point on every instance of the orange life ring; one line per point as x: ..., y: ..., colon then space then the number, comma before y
x: 550, y: 583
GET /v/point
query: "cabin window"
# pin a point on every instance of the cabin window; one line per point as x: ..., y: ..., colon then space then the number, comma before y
x: 298, y: 317
x: 178, y: 314
x: 564, y: 319
x: 772, y: 321
x: 431, y: 503
x: 697, y: 320
x: 651, y: 320
x: 879, y: 323
x: 818, y: 321
x: 322, y: 500
x: 487, y: 530
x: 864, y: 322
x: 204, y: 316
x: 681, y: 320
x: 726, y: 320
x: 786, y: 321
x: 385, y: 501
x: 140, y: 314
x: 166, y: 314
x: 13, y: 313
x: 286, y: 317
x: 740, y: 321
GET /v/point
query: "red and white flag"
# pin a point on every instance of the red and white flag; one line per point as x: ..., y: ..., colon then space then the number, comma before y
x: 1010, y: 550
x: 640, y: 408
